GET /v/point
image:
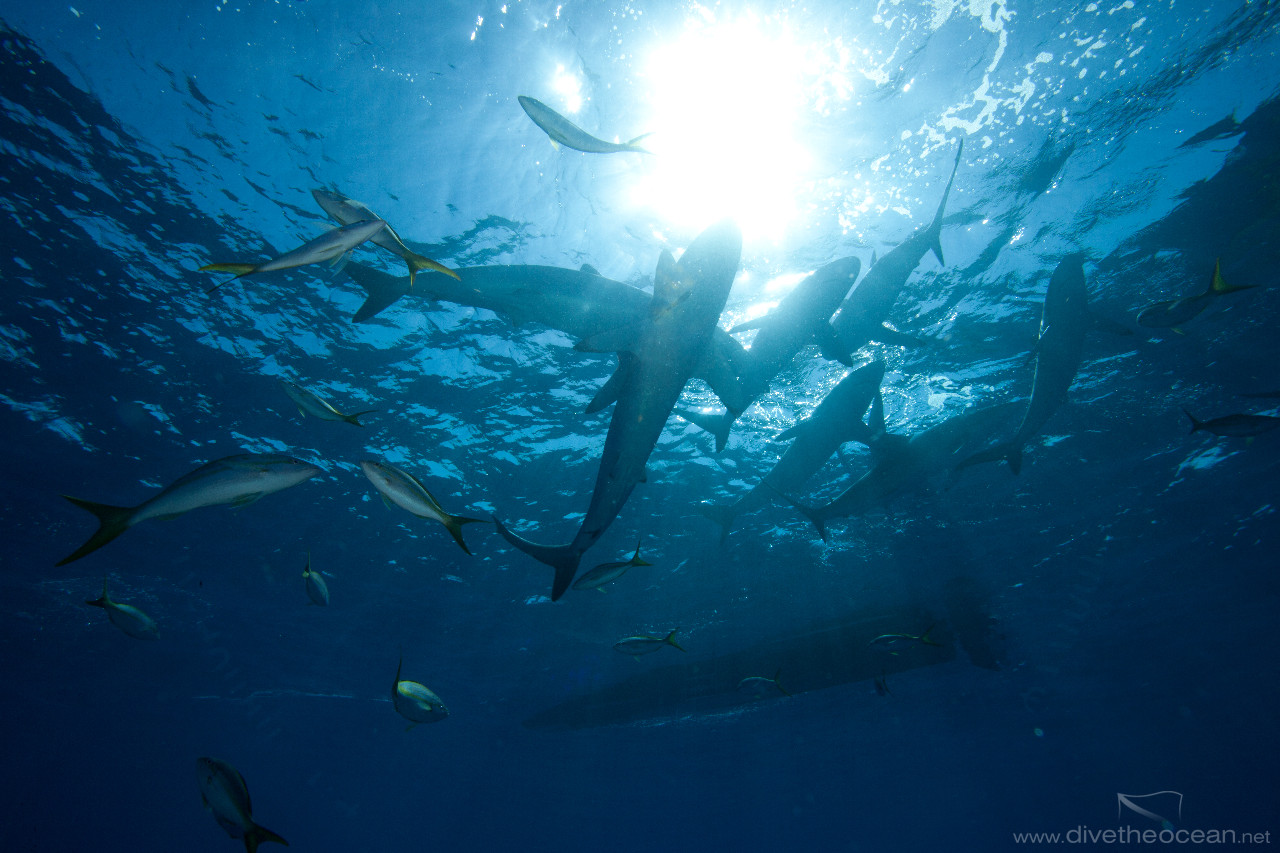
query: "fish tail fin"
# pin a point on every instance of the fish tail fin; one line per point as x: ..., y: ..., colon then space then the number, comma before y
x: 454, y: 525
x: 1196, y: 424
x: 670, y: 640
x: 632, y: 146
x: 778, y: 684
x: 721, y: 515
x: 418, y: 262
x: 807, y: 512
x: 635, y: 559
x: 256, y: 835
x: 100, y: 602
x: 1218, y: 286
x: 240, y: 270
x: 926, y: 639
x: 563, y: 558
x: 354, y: 419
x: 112, y: 521
x: 935, y: 227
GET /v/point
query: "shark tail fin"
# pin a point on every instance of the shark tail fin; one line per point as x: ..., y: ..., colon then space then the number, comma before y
x: 722, y: 515
x: 563, y: 558
x: 935, y: 227
x: 1219, y: 287
x: 102, y: 601
x: 354, y: 419
x: 1196, y: 424
x: 112, y: 521
x: 418, y: 262
x: 453, y: 523
x: 807, y: 512
x: 670, y: 640
x: 255, y: 835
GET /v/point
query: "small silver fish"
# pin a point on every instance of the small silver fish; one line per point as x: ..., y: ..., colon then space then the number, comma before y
x: 894, y: 643
x: 415, y: 702
x: 347, y: 210
x: 643, y: 644
x: 225, y: 794
x: 568, y: 134
x: 309, y: 403
x: 329, y: 246
x: 759, y: 687
x: 317, y: 589
x: 126, y: 617
x: 237, y: 480
x: 607, y: 572
x: 408, y: 493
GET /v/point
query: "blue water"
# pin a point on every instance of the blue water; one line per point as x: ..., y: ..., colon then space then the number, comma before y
x: 1107, y: 616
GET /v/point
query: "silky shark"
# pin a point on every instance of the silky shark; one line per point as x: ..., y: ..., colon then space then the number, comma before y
x: 566, y: 133
x: 862, y: 315
x: 800, y: 318
x: 837, y: 419
x: 1065, y: 320
x: 656, y: 357
x: 910, y: 465
x: 581, y: 303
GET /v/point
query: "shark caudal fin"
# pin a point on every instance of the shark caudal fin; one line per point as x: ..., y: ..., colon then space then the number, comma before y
x: 383, y: 290
x: 453, y: 523
x: 354, y: 419
x: 417, y: 262
x: 255, y: 835
x: 563, y: 558
x: 112, y: 521
x: 935, y: 227
x: 722, y: 515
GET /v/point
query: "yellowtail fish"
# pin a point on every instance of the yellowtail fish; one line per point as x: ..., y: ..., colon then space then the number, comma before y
x: 329, y: 246
x: 894, y: 643
x: 408, y: 493
x: 317, y: 589
x: 346, y: 211
x: 309, y: 403
x: 1172, y: 313
x: 607, y: 572
x: 568, y: 134
x: 225, y: 794
x: 415, y: 702
x: 760, y: 687
x: 643, y: 644
x: 126, y: 617
x: 237, y: 480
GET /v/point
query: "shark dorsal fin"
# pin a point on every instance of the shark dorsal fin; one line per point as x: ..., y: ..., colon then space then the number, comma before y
x: 587, y: 268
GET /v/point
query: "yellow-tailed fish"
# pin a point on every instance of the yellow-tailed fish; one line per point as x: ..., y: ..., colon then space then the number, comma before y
x: 415, y: 702
x: 225, y: 794
x: 407, y: 492
x: 126, y: 617
x: 347, y: 210
x: 329, y: 246
x: 643, y: 644
x: 317, y: 589
x: 310, y: 403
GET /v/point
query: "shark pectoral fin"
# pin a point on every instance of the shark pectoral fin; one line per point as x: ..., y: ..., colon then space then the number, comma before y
x: 631, y: 143
x: 886, y: 334
x: 807, y: 512
x: 748, y: 326
x: 386, y: 501
x: 829, y: 345
x: 611, y: 389
x: 621, y: 339
x: 340, y: 261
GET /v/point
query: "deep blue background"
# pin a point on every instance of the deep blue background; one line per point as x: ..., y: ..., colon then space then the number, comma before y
x: 1130, y: 568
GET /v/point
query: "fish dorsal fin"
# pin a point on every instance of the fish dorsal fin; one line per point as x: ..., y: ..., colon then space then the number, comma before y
x: 612, y: 389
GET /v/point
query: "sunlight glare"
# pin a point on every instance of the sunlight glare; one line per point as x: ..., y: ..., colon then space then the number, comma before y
x: 726, y: 99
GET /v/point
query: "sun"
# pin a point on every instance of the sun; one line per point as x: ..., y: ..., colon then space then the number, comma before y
x: 726, y: 100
